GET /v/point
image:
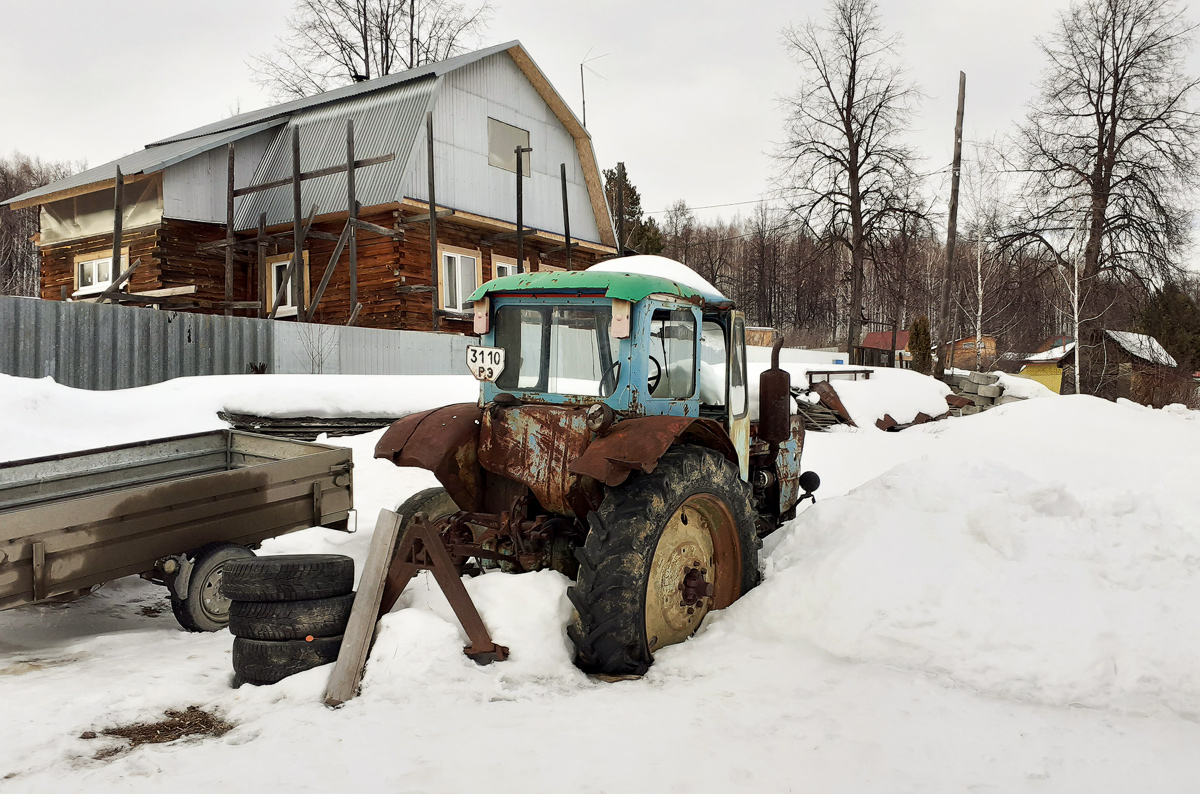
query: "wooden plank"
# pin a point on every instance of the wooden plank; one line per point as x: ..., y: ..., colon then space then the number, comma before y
x: 167, y: 291
x: 364, y: 615
x: 333, y: 169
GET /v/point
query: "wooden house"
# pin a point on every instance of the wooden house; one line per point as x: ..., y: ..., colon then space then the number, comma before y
x: 320, y: 208
x: 1123, y: 364
x: 876, y: 350
x: 961, y: 353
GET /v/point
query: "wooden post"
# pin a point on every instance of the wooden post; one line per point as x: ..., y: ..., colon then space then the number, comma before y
x: 562, y: 172
x: 620, y: 209
x: 520, y: 151
x: 352, y: 208
x: 951, y: 228
x: 229, y: 235
x: 434, y: 264
x: 264, y: 280
x: 118, y: 218
x: 296, y: 271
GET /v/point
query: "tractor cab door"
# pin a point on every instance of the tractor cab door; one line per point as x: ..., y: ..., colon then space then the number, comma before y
x: 737, y: 398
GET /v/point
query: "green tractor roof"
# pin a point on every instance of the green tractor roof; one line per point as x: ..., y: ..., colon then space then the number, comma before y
x: 631, y: 287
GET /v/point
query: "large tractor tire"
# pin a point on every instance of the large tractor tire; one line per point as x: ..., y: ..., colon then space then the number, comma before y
x: 435, y: 503
x: 663, y: 550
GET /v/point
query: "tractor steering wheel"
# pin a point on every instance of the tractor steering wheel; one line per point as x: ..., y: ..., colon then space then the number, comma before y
x: 653, y: 379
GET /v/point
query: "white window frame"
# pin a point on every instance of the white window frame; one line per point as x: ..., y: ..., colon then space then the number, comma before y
x: 288, y: 307
x: 509, y: 263
x: 452, y: 263
x: 91, y: 261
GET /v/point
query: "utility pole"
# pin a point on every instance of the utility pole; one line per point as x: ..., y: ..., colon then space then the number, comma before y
x: 951, y: 230
x: 620, y: 209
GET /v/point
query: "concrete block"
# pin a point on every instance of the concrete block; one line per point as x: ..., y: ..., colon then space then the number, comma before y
x: 1008, y: 398
x: 970, y: 409
x: 983, y: 378
x: 968, y: 387
x: 991, y: 390
x: 982, y: 401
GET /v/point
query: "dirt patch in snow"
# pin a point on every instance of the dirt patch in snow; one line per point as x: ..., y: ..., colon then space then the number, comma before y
x: 193, y: 721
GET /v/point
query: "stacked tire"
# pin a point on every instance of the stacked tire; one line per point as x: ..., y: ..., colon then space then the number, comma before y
x: 288, y: 613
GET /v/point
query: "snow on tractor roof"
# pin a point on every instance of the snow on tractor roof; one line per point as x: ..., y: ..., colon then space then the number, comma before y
x: 636, y: 283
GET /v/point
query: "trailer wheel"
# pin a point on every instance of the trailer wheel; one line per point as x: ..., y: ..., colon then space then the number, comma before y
x: 663, y: 550
x: 206, y: 607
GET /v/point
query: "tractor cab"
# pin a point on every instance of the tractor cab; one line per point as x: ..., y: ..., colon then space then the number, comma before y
x: 639, y: 345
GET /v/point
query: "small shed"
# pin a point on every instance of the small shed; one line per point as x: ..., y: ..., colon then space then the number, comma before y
x: 1133, y: 366
x: 1046, y: 365
x: 876, y: 350
x: 961, y: 353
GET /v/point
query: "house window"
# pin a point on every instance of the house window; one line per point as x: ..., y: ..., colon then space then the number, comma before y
x: 459, y: 277
x: 503, y: 140
x: 506, y: 266
x: 277, y: 268
x: 95, y: 273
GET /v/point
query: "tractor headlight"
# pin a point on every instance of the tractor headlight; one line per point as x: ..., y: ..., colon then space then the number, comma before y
x: 599, y: 418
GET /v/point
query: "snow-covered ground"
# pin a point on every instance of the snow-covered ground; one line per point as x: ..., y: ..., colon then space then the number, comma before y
x: 1003, y: 602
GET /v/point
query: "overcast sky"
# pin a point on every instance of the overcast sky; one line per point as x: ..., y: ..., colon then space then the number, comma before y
x: 688, y: 97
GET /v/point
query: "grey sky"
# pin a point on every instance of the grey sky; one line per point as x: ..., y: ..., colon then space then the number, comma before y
x: 688, y: 99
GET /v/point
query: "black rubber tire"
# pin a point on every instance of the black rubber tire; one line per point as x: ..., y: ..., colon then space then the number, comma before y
x: 290, y: 620
x: 197, y: 612
x: 433, y: 502
x: 268, y: 661
x: 609, y: 595
x: 289, y: 577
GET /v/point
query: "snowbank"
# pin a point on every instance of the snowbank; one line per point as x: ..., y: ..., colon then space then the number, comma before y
x: 1024, y: 388
x: 42, y: 417
x: 1025, y: 555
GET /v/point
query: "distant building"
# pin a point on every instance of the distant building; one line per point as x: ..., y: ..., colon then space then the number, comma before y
x: 876, y: 350
x: 1046, y: 365
x: 175, y: 192
x: 961, y: 353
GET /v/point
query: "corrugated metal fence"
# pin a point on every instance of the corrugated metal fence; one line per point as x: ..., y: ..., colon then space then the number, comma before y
x: 89, y: 346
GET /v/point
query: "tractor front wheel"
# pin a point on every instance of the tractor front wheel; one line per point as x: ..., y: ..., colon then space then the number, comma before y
x: 663, y: 550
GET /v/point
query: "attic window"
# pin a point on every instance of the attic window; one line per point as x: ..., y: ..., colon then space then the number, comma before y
x: 503, y: 140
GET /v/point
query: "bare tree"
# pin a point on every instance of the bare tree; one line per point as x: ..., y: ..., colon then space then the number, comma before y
x: 843, y: 157
x: 336, y: 42
x: 1112, y: 126
x: 20, y: 261
x: 679, y: 231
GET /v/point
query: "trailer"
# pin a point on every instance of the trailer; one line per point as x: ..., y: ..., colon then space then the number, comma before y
x: 172, y: 510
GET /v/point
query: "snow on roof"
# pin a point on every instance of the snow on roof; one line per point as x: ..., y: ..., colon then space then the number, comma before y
x: 1053, y: 354
x: 663, y: 268
x: 1144, y: 347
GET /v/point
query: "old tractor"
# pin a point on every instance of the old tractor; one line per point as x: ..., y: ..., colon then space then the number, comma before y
x: 614, y: 440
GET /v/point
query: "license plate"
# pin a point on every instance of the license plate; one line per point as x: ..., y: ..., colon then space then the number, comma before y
x: 485, y: 363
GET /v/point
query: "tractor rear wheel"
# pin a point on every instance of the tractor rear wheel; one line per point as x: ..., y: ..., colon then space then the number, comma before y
x: 663, y: 550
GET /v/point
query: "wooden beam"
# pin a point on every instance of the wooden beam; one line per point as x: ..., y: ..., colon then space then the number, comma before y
x: 229, y: 233
x: 337, y: 252
x: 351, y: 230
x: 260, y: 243
x: 414, y: 219
x: 118, y: 216
x: 495, y: 238
x: 435, y: 266
x: 295, y: 269
x: 115, y: 287
x: 333, y: 169
x: 167, y: 292
x: 371, y: 227
x: 354, y: 314
x: 364, y: 614
x: 562, y: 173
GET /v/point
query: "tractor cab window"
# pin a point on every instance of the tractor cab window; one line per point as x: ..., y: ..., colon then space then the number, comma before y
x: 738, y: 393
x: 713, y: 364
x: 558, y: 349
x: 671, y: 372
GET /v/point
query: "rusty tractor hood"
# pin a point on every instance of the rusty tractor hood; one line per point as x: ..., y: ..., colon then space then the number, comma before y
x: 445, y: 441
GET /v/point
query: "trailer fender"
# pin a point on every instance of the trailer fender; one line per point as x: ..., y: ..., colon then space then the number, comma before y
x: 638, y: 444
x: 446, y: 442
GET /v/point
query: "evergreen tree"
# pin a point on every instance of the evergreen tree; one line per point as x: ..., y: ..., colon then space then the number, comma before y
x: 1172, y: 317
x: 642, y: 234
x: 919, y: 345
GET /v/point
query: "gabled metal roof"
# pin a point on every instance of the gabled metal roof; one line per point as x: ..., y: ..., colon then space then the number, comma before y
x: 631, y: 287
x: 339, y: 94
x: 148, y: 161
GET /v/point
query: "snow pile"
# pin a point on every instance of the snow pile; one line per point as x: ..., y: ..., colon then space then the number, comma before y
x: 1053, y: 354
x: 662, y: 267
x: 899, y: 393
x: 1025, y: 556
x: 1021, y: 387
x: 85, y: 419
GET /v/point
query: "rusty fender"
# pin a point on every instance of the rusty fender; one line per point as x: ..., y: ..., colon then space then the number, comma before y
x: 637, y: 445
x: 446, y: 442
